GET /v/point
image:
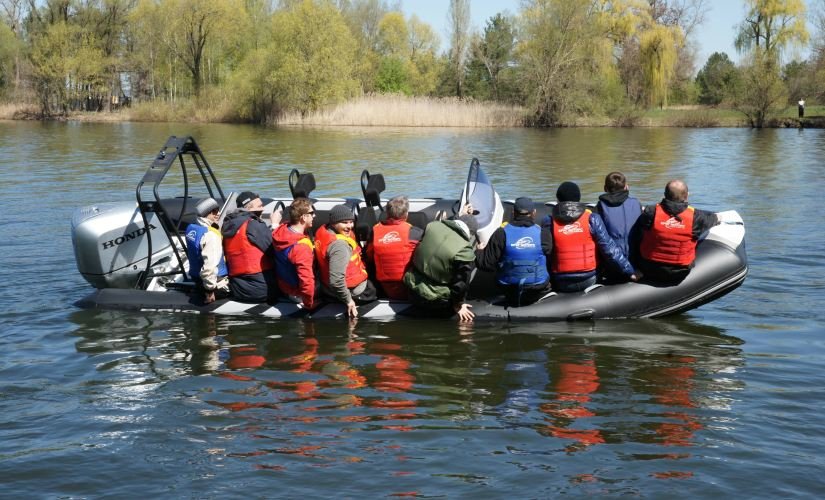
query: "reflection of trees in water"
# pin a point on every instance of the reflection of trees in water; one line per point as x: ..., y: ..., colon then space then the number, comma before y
x: 299, y: 384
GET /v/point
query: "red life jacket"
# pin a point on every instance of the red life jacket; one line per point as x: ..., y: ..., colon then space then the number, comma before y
x: 670, y: 239
x: 392, y: 249
x: 242, y: 257
x: 574, y: 250
x: 356, y: 270
x: 392, y: 252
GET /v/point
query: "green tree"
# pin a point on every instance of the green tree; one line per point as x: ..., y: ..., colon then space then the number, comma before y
x: 307, y: 64
x: 8, y: 50
x: 769, y: 27
x: 759, y: 92
x: 492, y: 53
x: 393, y: 36
x: 658, y: 50
x: 67, y: 66
x: 772, y: 25
x: 565, y: 56
x: 392, y: 76
x: 716, y: 79
x: 192, y: 28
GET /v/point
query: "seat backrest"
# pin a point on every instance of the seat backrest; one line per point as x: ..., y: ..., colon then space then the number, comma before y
x: 366, y: 219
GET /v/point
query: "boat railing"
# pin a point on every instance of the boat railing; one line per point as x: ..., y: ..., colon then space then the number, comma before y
x: 183, y: 152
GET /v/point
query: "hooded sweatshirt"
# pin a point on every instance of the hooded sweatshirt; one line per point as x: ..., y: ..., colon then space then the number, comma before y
x: 294, y: 259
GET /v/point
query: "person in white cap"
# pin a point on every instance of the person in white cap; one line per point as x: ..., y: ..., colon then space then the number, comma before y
x: 204, y: 250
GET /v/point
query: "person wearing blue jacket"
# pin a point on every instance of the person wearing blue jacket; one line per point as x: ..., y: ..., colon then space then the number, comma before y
x: 577, y: 233
x: 619, y: 212
x: 204, y: 251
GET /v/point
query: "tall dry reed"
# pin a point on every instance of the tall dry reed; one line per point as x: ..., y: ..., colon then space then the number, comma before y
x: 404, y: 111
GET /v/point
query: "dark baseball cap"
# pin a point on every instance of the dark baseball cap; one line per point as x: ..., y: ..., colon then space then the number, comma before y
x: 245, y: 198
x: 524, y: 205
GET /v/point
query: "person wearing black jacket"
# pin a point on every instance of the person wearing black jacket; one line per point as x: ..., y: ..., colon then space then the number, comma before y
x: 670, y: 230
x: 249, y: 251
x: 518, y: 253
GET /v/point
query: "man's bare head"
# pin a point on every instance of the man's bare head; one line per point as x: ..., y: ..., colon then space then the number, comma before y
x: 676, y: 190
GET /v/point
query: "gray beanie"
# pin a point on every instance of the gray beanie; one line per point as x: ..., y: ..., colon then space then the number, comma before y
x: 206, y: 206
x: 340, y: 213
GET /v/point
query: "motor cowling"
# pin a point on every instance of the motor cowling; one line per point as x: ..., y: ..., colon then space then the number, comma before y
x: 111, y: 245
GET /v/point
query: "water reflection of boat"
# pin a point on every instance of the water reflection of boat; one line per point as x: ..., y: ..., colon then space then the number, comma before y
x: 297, y: 387
x: 134, y: 253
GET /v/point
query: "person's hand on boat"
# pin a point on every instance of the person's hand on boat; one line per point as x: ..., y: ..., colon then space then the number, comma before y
x: 464, y: 313
x: 209, y: 297
x: 352, y: 310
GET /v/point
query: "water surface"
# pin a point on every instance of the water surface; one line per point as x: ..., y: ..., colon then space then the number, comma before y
x: 725, y: 399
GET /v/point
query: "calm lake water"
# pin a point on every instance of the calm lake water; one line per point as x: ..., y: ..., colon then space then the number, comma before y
x: 724, y: 400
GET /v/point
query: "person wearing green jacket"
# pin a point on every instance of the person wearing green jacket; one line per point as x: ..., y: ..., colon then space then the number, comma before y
x: 442, y: 266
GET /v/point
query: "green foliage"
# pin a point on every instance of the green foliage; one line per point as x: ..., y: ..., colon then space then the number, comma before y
x: 800, y: 79
x: 716, y: 79
x: 658, y: 49
x: 759, y: 93
x: 8, y: 49
x: 392, y: 76
x: 67, y: 64
x: 307, y: 64
x: 491, y: 54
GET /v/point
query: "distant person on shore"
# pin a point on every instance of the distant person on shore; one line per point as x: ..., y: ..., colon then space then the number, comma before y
x: 341, y: 269
x: 619, y: 212
x: 577, y: 232
x: 670, y: 230
x: 204, y: 250
x: 443, y: 265
x: 518, y: 253
x: 391, y: 245
x: 801, y: 108
x: 295, y: 254
x: 247, y: 244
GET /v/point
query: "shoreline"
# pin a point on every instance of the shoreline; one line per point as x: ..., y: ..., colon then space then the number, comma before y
x: 676, y: 117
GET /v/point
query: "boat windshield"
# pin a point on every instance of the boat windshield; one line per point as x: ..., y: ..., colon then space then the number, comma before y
x: 480, y: 193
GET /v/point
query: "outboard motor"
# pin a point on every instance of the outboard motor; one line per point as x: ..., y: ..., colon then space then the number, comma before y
x: 110, y: 244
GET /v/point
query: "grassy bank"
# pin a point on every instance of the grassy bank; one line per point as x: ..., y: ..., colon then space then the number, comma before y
x: 403, y: 111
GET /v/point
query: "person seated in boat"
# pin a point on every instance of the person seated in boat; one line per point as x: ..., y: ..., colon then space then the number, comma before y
x: 341, y: 269
x: 249, y: 252
x: 576, y: 233
x: 619, y: 212
x: 204, y: 250
x: 390, y: 247
x: 670, y: 230
x: 518, y: 253
x: 295, y: 254
x: 442, y: 266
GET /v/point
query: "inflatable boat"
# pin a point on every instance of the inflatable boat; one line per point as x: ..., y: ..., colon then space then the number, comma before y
x: 133, y: 253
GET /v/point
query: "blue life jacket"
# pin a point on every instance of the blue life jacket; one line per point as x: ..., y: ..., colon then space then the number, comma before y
x: 194, y: 233
x: 618, y: 220
x: 284, y: 269
x: 523, y: 262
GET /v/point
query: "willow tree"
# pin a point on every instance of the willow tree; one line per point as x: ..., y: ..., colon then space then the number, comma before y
x: 769, y: 27
x: 566, y: 54
x: 659, y: 51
